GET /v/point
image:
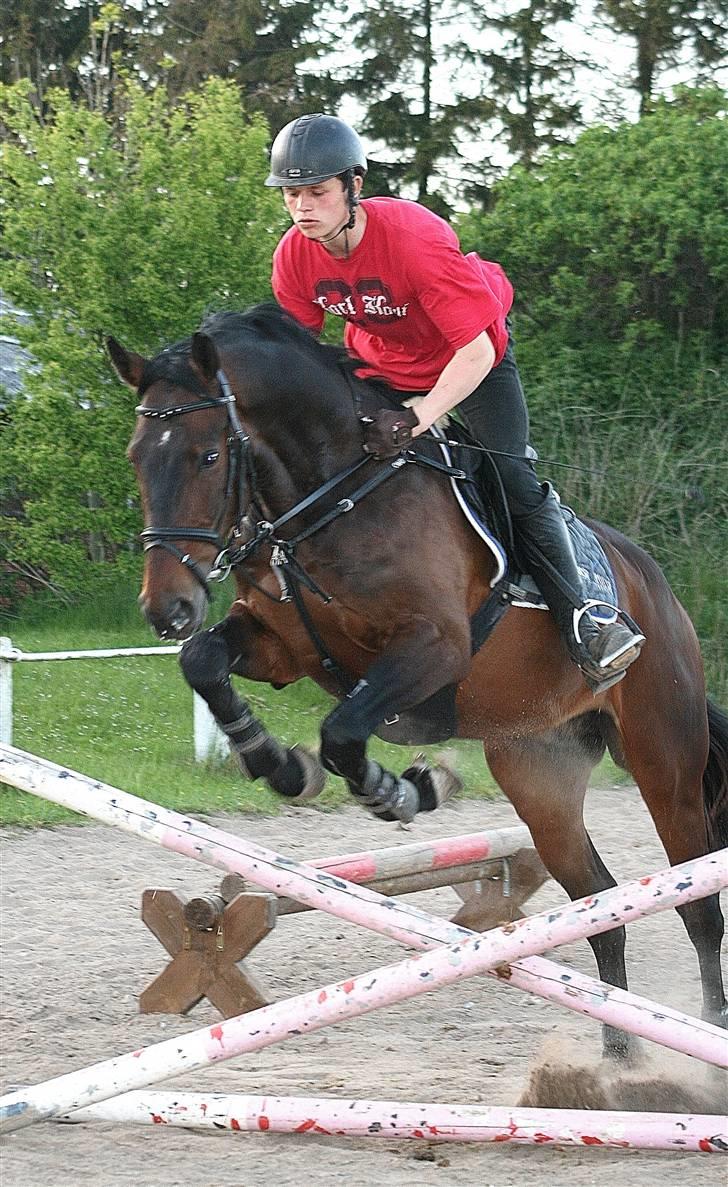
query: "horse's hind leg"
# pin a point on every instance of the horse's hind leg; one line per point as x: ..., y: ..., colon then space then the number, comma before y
x: 665, y: 744
x: 545, y: 778
x: 240, y: 644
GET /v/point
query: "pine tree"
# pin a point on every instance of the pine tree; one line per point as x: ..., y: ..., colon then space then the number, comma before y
x: 405, y: 48
x: 41, y: 40
x: 529, y: 74
x: 662, y: 30
x: 267, y: 47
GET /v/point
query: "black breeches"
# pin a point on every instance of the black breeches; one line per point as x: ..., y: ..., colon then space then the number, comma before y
x: 497, y: 416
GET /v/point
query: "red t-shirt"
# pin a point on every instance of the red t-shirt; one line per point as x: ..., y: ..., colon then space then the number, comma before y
x: 409, y: 296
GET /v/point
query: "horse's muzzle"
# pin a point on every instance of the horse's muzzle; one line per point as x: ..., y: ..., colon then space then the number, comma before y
x: 176, y: 618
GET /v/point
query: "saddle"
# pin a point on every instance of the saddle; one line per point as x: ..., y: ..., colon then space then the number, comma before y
x: 479, y: 493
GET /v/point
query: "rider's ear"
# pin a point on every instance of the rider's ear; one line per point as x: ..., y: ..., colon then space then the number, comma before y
x: 204, y: 355
x: 128, y: 365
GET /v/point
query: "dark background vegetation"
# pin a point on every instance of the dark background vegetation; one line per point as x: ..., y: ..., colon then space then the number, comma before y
x: 133, y: 142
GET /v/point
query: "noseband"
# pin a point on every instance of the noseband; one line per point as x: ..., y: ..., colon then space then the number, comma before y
x: 239, y: 470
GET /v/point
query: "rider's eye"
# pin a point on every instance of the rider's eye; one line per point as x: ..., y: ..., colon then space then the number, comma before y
x: 209, y: 459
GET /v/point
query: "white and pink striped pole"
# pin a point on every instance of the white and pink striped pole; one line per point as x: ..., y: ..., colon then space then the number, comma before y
x: 359, y: 995
x: 325, y: 891
x: 406, y: 1119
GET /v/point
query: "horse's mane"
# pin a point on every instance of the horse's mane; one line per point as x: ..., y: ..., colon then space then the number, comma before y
x: 267, y: 321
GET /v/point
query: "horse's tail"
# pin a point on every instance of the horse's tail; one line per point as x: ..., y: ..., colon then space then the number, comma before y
x: 715, y: 777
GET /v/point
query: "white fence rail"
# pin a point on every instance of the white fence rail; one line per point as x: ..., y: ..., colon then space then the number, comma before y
x: 210, y: 743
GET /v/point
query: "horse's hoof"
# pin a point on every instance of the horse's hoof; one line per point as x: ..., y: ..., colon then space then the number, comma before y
x: 436, y: 784
x: 314, y: 775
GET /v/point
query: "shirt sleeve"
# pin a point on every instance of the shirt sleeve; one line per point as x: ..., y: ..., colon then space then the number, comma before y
x: 289, y: 294
x: 457, y: 296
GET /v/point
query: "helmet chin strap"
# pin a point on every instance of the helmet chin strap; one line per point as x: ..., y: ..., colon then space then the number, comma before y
x: 351, y: 222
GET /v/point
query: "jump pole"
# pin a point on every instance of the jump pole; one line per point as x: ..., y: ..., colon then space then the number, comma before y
x: 390, y: 917
x: 406, y: 1119
x: 354, y: 996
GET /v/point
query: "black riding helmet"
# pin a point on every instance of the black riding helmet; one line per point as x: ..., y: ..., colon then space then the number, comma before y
x: 314, y: 148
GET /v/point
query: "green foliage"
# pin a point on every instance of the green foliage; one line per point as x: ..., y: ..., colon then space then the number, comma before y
x: 621, y: 240
x: 134, y: 231
x: 618, y: 250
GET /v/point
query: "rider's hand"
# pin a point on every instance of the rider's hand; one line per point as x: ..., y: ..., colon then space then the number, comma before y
x: 389, y: 431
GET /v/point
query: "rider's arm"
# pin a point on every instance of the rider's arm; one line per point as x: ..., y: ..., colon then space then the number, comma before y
x: 467, y: 368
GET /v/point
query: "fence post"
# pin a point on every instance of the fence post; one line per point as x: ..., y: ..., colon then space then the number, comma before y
x: 211, y: 744
x: 7, y: 654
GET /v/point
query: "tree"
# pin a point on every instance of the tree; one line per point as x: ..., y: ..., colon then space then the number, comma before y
x: 622, y: 239
x: 661, y: 29
x: 266, y: 46
x: 134, y: 233
x: 40, y: 40
x: 406, y: 49
x: 529, y: 76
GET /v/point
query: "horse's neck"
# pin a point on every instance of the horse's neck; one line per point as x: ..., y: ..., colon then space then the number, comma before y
x: 294, y: 457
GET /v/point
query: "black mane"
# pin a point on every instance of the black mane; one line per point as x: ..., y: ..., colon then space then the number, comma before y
x: 267, y: 321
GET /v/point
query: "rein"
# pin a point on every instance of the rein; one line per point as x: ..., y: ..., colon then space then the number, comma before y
x: 241, y: 472
x: 289, y: 572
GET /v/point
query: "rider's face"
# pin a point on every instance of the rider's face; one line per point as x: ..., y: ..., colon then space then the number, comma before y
x: 318, y: 210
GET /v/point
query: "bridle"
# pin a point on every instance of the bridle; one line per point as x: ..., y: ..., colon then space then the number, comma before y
x: 238, y: 475
x: 241, y: 474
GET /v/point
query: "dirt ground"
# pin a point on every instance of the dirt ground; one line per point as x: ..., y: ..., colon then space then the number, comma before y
x: 76, y: 956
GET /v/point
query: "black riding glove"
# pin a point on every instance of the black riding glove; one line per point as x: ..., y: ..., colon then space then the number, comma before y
x: 387, y: 432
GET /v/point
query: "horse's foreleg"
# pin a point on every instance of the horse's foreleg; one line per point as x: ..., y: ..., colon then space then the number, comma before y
x: 402, y: 678
x: 207, y: 660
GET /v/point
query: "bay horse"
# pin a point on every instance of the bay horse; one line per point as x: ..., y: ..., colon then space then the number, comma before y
x: 364, y: 576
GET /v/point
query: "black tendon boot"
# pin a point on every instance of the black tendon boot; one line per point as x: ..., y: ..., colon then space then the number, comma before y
x: 603, y: 652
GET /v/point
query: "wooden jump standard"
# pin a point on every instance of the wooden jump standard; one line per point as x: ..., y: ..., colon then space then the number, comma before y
x: 359, y: 995
x: 210, y: 936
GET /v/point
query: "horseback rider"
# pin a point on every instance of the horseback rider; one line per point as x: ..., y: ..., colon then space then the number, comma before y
x: 431, y: 322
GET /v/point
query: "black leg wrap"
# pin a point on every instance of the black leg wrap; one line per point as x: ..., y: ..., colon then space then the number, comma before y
x: 385, y: 796
x: 257, y: 752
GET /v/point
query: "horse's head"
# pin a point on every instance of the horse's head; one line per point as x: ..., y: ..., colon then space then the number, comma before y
x: 188, y: 451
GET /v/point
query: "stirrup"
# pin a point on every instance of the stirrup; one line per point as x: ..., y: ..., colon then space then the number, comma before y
x: 604, y: 664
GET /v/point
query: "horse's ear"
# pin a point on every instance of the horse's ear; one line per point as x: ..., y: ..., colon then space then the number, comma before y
x: 204, y: 355
x: 128, y: 365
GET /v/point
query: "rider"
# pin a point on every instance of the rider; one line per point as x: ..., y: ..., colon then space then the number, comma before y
x: 431, y: 322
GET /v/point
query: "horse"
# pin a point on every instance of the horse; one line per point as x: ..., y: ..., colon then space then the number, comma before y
x: 364, y: 575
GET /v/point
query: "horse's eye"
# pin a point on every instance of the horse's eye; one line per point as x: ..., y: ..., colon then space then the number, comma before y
x: 209, y: 459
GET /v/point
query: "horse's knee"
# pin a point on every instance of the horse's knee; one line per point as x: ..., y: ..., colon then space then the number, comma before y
x: 343, y: 741
x: 205, y: 660
x: 205, y: 663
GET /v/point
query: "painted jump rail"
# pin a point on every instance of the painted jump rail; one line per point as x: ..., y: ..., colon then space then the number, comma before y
x: 350, y: 998
x: 407, y: 1119
x: 210, y: 937
x: 468, y: 956
x: 390, y: 917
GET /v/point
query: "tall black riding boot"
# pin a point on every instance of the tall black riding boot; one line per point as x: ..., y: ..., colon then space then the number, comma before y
x: 603, y: 652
